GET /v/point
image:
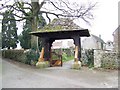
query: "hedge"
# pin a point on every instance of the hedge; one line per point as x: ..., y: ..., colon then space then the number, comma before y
x: 24, y: 56
x: 88, y: 58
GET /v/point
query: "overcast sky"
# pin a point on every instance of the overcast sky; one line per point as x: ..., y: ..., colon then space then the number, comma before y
x: 105, y: 19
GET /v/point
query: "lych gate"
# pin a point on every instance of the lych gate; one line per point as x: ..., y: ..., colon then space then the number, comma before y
x: 49, y: 37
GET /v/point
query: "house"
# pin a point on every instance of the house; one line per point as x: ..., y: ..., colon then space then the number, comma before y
x: 0, y: 40
x: 68, y: 43
x: 116, y: 37
x: 109, y: 45
x: 93, y: 42
x: 57, y: 44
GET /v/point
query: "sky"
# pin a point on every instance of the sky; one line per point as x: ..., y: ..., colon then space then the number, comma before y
x: 105, y: 19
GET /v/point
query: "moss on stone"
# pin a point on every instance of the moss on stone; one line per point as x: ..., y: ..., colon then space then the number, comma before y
x: 76, y: 65
x: 60, y: 24
x: 43, y: 64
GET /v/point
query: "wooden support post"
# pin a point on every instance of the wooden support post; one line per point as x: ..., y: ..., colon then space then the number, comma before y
x: 41, y: 55
x: 50, y: 52
x: 77, y: 42
x: 41, y: 61
x: 47, y: 48
x: 46, y: 54
x: 76, y: 53
x: 50, y: 45
x: 77, y: 63
x: 79, y: 50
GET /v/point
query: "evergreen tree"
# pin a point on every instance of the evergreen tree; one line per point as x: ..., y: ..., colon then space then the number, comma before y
x: 9, y: 31
x: 25, y: 37
x: 0, y: 41
x: 41, y: 21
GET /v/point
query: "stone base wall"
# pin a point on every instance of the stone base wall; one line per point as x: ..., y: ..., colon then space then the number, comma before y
x: 97, y: 58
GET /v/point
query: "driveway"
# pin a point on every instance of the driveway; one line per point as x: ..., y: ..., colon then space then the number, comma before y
x: 18, y: 75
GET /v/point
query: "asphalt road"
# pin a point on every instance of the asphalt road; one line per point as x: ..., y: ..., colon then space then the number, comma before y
x: 18, y: 75
x: 0, y: 73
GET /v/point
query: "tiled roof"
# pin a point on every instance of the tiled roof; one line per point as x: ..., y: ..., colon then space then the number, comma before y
x: 61, y: 24
x: 98, y: 38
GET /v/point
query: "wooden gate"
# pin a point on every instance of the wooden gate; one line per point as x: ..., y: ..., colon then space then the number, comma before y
x: 56, y: 59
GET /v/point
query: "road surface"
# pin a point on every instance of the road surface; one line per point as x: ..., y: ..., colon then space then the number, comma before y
x: 0, y: 73
x: 18, y: 75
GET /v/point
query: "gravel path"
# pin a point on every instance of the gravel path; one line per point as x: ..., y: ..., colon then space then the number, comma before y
x: 18, y: 75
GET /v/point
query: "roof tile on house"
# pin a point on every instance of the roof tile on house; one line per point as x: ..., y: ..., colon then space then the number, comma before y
x: 98, y: 38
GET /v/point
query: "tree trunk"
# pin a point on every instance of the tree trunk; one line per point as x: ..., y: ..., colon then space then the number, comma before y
x: 35, y: 11
x: 35, y: 8
x: 34, y: 39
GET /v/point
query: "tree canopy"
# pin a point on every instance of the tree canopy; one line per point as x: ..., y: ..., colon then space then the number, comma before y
x: 25, y: 37
x: 59, y: 8
x: 9, y: 31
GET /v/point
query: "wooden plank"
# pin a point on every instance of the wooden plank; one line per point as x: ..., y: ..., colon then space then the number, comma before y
x: 56, y: 63
x: 62, y: 34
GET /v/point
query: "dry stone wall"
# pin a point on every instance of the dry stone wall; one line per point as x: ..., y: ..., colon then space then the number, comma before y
x: 106, y: 59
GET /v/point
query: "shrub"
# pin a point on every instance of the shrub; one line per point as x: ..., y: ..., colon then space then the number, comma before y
x: 12, y: 54
x: 64, y: 56
x: 67, y: 54
x: 22, y: 56
x: 32, y: 56
x: 88, y: 58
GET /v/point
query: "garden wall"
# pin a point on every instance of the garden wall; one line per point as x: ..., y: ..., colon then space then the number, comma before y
x: 100, y: 59
x: 106, y: 59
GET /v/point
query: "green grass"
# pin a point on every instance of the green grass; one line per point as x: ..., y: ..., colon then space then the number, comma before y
x: 54, y: 57
x: 68, y: 58
x: 65, y: 57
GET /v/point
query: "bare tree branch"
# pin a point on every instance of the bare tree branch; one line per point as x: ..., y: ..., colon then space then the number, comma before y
x: 80, y: 11
x: 48, y: 17
x: 63, y: 8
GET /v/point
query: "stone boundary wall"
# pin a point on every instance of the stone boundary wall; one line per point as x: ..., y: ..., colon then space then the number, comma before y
x: 97, y: 58
x: 106, y: 59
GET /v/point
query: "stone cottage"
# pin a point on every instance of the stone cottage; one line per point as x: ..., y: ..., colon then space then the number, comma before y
x: 109, y: 45
x: 63, y: 44
x: 116, y: 37
x: 93, y: 42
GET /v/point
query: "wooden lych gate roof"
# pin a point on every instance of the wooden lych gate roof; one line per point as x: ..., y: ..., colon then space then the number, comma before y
x: 67, y: 34
x: 61, y: 28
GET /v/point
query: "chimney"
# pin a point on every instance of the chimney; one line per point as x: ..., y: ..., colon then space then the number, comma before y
x: 99, y: 36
